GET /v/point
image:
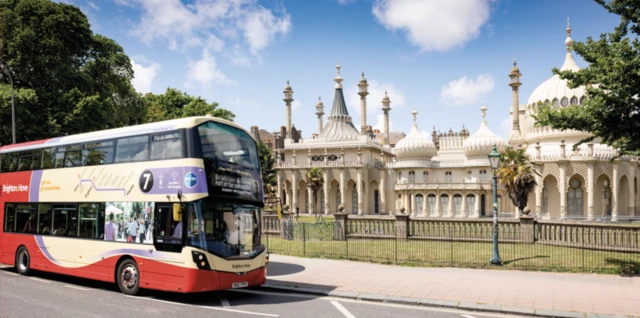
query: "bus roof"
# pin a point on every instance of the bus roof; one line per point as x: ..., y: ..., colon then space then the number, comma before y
x: 160, y: 126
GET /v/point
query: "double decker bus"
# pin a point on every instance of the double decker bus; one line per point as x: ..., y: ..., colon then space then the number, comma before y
x: 173, y: 206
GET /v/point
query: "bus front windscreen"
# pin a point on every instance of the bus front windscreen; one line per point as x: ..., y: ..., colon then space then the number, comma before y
x: 224, y: 229
x: 231, y: 161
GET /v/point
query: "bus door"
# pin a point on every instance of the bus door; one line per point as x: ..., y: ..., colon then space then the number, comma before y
x: 168, y: 227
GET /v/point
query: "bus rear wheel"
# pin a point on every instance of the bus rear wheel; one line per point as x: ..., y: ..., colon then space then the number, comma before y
x: 23, y: 261
x: 128, y: 277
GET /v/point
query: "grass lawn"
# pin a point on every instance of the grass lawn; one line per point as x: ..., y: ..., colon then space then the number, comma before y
x: 426, y: 253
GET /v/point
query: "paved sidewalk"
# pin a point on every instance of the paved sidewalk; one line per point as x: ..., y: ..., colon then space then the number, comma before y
x: 545, y: 294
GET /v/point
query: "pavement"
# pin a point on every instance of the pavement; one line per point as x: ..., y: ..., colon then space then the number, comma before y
x: 51, y: 295
x: 512, y: 292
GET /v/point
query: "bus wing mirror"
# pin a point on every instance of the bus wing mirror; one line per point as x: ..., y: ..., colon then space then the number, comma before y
x: 177, y: 213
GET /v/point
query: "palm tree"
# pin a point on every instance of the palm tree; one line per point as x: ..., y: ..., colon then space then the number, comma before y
x: 516, y: 174
x: 315, y: 180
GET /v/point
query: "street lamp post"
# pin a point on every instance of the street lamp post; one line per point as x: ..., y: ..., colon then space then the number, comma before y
x: 13, y: 108
x: 494, y: 160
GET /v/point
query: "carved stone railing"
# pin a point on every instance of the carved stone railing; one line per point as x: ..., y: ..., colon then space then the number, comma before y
x: 271, y: 224
x: 370, y: 227
x: 463, y: 230
x: 592, y: 236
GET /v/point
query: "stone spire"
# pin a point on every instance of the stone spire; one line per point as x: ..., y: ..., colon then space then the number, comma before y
x: 288, y: 98
x: 515, y: 138
x: 339, y: 125
x: 569, y: 63
x: 363, y: 92
x: 386, y: 108
x: 319, y: 112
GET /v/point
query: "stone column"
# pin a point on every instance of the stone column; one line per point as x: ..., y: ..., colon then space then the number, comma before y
x: 359, y: 187
x: 632, y: 192
x: 527, y: 229
x: 288, y: 98
x: 614, y: 194
x: 325, y: 186
x: 590, y: 191
x: 450, y: 213
x: 294, y: 192
x: 562, y: 188
x: 412, y: 211
x: 279, y: 186
x: 438, y: 209
x: 310, y: 208
x: 402, y: 228
x: 382, y: 192
x: 341, y: 229
x: 343, y: 188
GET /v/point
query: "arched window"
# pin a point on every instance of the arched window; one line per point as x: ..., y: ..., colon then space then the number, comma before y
x: 431, y: 205
x: 412, y: 176
x: 575, y: 198
x: 574, y: 101
x: 447, y: 177
x: 564, y: 102
x: 457, y: 205
x: 444, y: 204
x: 338, y: 197
x: 483, y: 175
x: 425, y: 176
x: 400, y: 177
x: 306, y: 202
x: 606, y: 193
x: 321, y: 198
x: 399, y: 202
x: 471, y: 204
x: 354, y: 199
x: 469, y: 176
x: 375, y: 201
x: 419, y: 204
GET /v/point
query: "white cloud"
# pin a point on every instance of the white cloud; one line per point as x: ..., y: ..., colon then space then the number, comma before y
x: 93, y: 5
x: 143, y: 75
x: 204, y: 22
x: 205, y: 71
x: 346, y: 1
x: 434, y: 25
x: 466, y: 91
x: 505, y: 127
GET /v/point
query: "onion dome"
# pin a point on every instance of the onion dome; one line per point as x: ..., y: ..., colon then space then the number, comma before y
x: 481, y: 143
x: 415, y: 145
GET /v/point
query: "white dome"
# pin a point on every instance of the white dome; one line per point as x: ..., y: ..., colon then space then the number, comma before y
x: 415, y: 145
x: 481, y: 143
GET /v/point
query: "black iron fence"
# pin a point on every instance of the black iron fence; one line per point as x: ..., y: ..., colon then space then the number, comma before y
x: 541, y: 247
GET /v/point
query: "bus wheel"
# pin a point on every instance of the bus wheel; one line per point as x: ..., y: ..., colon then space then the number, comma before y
x: 23, y: 261
x: 128, y: 277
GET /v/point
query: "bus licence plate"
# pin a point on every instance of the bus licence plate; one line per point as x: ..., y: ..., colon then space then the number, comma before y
x: 239, y: 285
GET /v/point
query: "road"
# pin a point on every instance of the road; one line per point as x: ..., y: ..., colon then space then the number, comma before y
x: 50, y: 295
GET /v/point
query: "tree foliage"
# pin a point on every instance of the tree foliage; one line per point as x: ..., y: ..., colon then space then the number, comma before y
x: 79, y: 81
x: 611, y: 110
x: 268, y: 171
x: 516, y: 174
x: 176, y: 104
x: 68, y: 80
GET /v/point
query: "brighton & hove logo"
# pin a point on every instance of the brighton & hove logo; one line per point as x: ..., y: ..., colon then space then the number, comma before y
x: 190, y: 180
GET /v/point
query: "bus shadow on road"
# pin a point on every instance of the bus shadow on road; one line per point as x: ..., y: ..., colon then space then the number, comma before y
x: 280, y: 269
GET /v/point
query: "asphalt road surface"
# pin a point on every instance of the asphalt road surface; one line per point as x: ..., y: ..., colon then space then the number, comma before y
x: 50, y: 295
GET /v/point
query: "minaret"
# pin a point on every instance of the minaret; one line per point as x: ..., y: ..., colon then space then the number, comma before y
x: 515, y: 103
x: 288, y: 98
x: 386, y: 108
x: 569, y: 64
x: 363, y: 92
x: 319, y: 112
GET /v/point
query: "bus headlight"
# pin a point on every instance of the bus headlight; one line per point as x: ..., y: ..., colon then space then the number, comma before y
x: 200, y: 260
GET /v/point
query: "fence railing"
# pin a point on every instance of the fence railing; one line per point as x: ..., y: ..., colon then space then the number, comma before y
x: 523, y: 244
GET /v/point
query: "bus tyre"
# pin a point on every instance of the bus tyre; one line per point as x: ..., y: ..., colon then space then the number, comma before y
x: 23, y: 261
x: 128, y: 277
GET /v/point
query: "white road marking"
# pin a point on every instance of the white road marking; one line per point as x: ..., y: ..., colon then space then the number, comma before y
x: 40, y: 280
x: 76, y: 287
x: 343, y: 310
x: 206, y: 307
x: 468, y: 316
x: 225, y: 303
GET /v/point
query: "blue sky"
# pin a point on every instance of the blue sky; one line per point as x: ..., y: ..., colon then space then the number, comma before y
x: 443, y: 57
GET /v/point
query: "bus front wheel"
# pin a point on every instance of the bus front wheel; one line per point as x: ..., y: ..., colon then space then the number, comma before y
x: 128, y: 277
x: 23, y: 261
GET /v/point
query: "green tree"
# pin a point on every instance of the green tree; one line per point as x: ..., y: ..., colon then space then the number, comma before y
x: 80, y: 80
x: 176, y: 104
x: 612, y: 108
x: 268, y: 171
x: 315, y: 180
x: 516, y: 174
